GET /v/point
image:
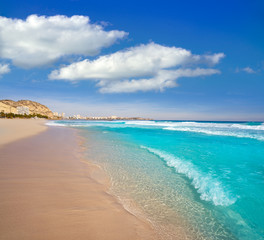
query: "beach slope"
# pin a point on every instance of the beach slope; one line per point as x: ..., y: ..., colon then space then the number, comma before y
x: 47, y: 192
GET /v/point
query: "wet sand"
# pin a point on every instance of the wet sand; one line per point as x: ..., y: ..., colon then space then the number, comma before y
x: 48, y: 192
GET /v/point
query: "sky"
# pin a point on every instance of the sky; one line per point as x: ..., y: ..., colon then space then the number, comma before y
x: 181, y: 60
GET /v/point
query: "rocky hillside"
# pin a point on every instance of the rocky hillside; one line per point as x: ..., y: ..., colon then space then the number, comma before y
x: 34, y: 107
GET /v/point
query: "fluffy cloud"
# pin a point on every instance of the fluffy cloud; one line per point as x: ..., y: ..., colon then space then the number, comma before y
x: 40, y: 40
x: 4, y: 68
x: 163, y: 79
x: 142, y: 68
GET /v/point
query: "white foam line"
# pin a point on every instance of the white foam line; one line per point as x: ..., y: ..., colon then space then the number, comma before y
x: 55, y: 124
x: 197, y: 124
x: 209, y: 188
x: 218, y: 133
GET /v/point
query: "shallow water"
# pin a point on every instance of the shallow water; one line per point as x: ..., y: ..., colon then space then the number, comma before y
x: 202, y: 179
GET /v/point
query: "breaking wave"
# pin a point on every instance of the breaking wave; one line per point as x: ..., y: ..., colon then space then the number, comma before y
x: 240, y: 130
x: 197, y: 124
x: 52, y: 123
x: 209, y: 188
x: 217, y: 132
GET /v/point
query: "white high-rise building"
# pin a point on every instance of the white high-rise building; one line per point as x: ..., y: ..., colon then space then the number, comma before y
x: 23, y: 110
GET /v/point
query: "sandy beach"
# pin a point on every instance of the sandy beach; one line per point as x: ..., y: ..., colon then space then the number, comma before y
x: 15, y: 129
x: 48, y: 192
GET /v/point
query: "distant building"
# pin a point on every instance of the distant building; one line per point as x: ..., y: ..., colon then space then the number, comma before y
x: 55, y: 114
x: 63, y: 115
x: 23, y: 110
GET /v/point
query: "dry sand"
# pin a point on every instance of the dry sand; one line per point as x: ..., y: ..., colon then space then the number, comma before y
x: 48, y: 193
x: 14, y: 129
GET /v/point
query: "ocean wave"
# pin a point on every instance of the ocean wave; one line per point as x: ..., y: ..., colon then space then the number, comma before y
x: 55, y: 124
x: 217, y: 132
x: 200, y: 125
x: 59, y: 124
x: 248, y: 127
x: 82, y: 124
x: 197, y: 124
x: 209, y: 188
x: 220, y: 129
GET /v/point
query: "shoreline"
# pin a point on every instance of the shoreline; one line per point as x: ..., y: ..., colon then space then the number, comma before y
x: 163, y: 230
x: 48, y: 191
x: 102, y: 176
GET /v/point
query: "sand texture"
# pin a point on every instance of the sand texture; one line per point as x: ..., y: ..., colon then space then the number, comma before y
x: 15, y: 129
x: 47, y: 192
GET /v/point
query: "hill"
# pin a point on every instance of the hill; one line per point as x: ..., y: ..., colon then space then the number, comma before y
x: 34, y: 107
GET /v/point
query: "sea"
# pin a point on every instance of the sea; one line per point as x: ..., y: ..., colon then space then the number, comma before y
x: 189, y: 179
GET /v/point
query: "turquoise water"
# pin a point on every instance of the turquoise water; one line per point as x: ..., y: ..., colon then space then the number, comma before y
x: 192, y: 180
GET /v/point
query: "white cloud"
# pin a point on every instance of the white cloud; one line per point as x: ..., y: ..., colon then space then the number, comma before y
x: 138, y: 61
x: 40, y: 40
x: 215, y: 58
x: 163, y: 79
x: 245, y: 69
x: 4, y: 68
x: 142, y: 68
x: 248, y: 70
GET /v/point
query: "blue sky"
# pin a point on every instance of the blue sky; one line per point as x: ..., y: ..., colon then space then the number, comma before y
x: 145, y: 60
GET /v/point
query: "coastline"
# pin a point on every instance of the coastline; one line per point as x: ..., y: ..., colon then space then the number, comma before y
x: 47, y: 191
x: 164, y: 229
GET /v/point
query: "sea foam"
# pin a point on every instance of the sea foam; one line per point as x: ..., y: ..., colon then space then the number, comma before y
x: 239, y: 130
x: 218, y: 132
x: 197, y: 124
x: 210, y: 128
x: 209, y: 188
x: 52, y: 123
